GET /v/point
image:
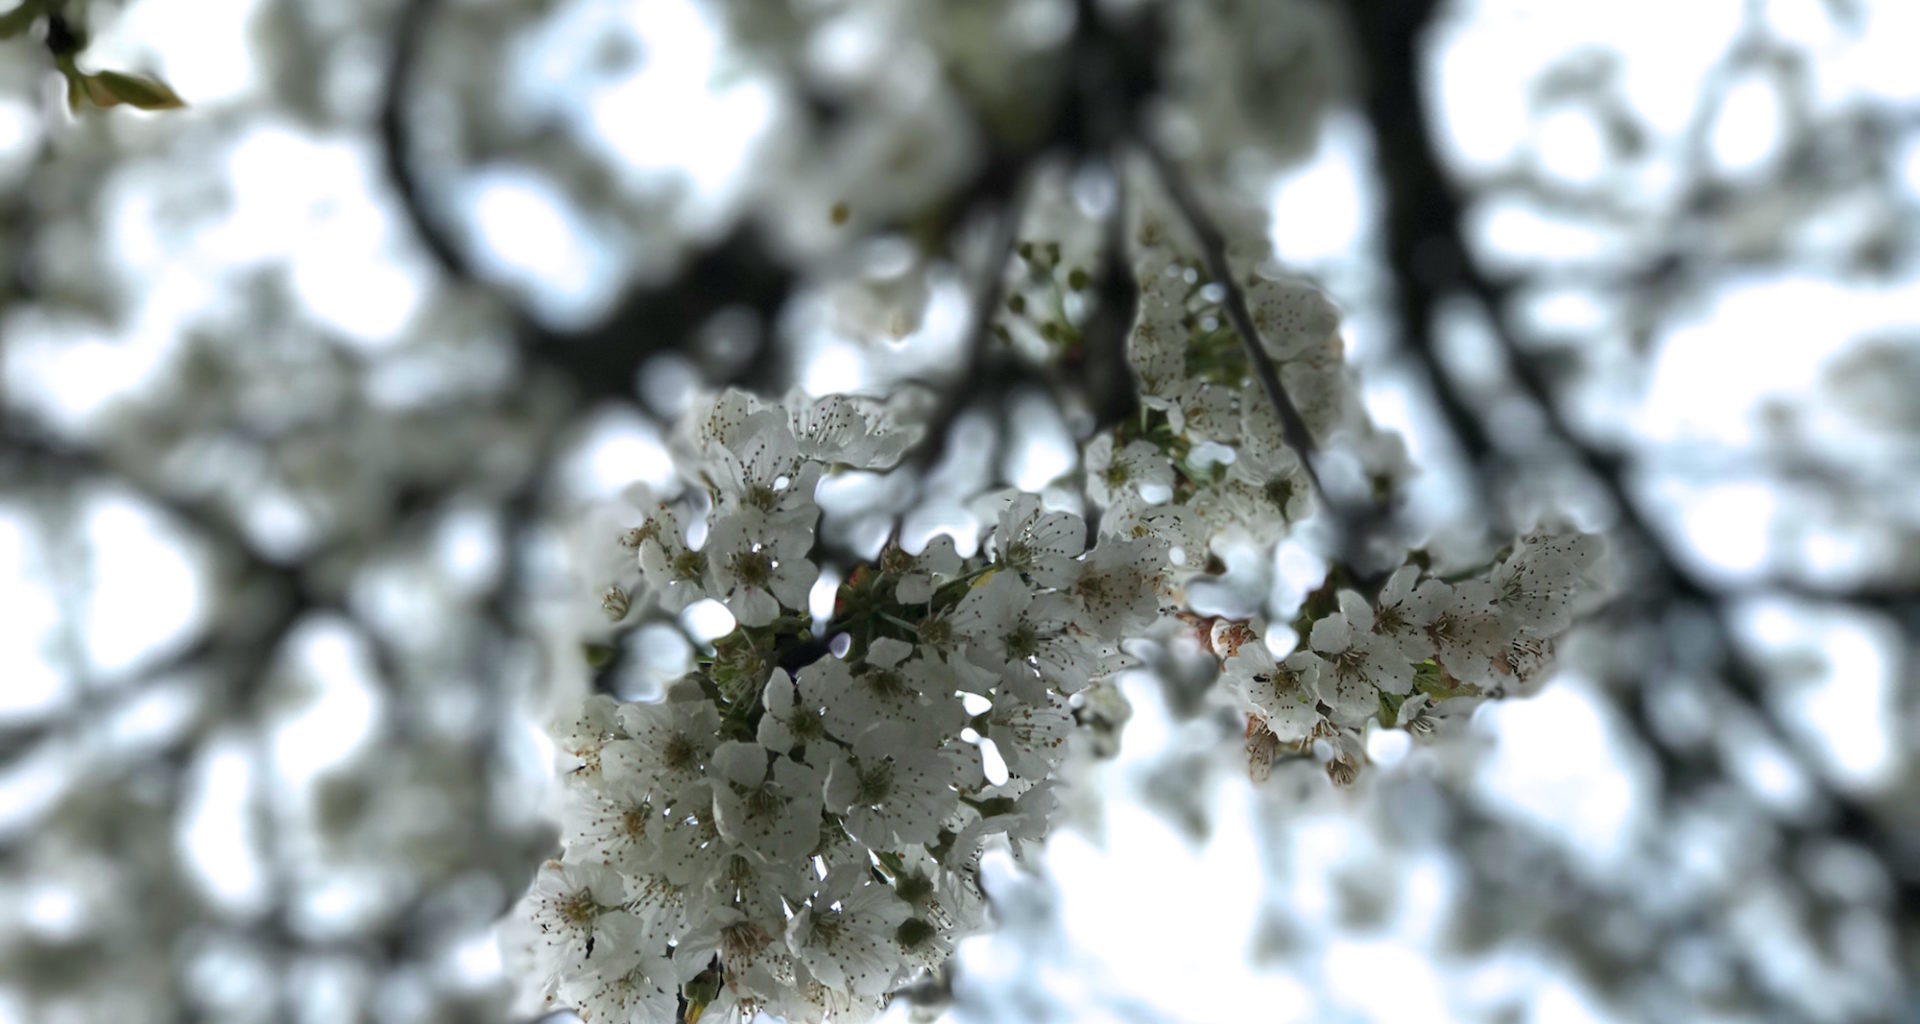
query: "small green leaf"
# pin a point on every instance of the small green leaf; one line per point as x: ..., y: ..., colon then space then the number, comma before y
x: 598, y: 655
x: 1390, y: 708
x: 19, y: 19
x: 107, y: 88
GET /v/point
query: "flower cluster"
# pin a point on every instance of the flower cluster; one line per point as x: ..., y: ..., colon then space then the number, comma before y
x: 1208, y: 446
x: 1423, y: 652
x: 796, y: 828
x: 1206, y: 463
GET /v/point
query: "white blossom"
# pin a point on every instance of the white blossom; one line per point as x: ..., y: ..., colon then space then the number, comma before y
x: 585, y: 733
x: 1360, y: 664
x: 611, y: 823
x: 758, y: 568
x: 1402, y: 613
x: 845, y: 430
x: 1466, y: 635
x: 1205, y: 411
x: 1112, y: 475
x: 667, y: 748
x: 1157, y: 345
x: 886, y: 687
x: 676, y: 572
x: 772, y: 808
x: 1269, y: 475
x: 844, y: 935
x: 893, y: 787
x: 628, y: 978
x: 1534, y: 586
x: 1181, y: 529
x: 793, y: 717
x: 1031, y: 737
x: 1120, y: 586
x: 752, y: 953
x: 1041, y: 543
x: 1026, y: 640
x: 714, y: 422
x: 1284, y: 693
x: 762, y: 480
x: 917, y: 575
x: 1291, y: 317
x: 564, y: 909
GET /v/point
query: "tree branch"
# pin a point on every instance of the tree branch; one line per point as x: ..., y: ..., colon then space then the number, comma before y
x: 1431, y: 264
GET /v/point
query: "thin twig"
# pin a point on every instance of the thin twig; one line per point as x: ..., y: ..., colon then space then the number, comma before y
x: 1213, y: 249
x: 1355, y: 522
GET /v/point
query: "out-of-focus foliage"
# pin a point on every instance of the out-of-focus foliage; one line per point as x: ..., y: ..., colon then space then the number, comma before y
x: 65, y: 40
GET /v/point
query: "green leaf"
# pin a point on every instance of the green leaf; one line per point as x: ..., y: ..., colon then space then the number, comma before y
x: 598, y: 655
x: 107, y: 88
x: 19, y: 19
x: 76, y: 87
x: 1390, y: 708
x: 1429, y: 678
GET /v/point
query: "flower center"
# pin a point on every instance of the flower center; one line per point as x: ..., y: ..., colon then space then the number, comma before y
x: 755, y: 568
x: 887, y: 684
x: 806, y: 726
x: 1023, y: 642
x: 578, y: 909
x: 1278, y: 492
x: 690, y: 565
x: 1350, y: 663
x: 876, y: 781
x: 738, y: 873
x: 764, y: 803
x: 679, y: 753
x: 913, y: 933
x: 936, y: 633
x: 913, y: 887
x: 742, y: 940
x: 895, y: 562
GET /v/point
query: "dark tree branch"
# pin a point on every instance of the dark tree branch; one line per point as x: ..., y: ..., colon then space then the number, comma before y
x: 1103, y: 340
x: 601, y: 361
x: 978, y: 372
x: 1431, y: 265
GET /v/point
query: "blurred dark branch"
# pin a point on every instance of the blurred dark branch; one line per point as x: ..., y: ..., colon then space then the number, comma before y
x: 33, y: 455
x: 979, y: 373
x: 1431, y: 265
x: 602, y: 360
x: 1116, y: 301
x: 396, y: 145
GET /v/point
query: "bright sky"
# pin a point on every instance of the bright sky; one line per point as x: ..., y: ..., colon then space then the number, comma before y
x: 1150, y: 913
